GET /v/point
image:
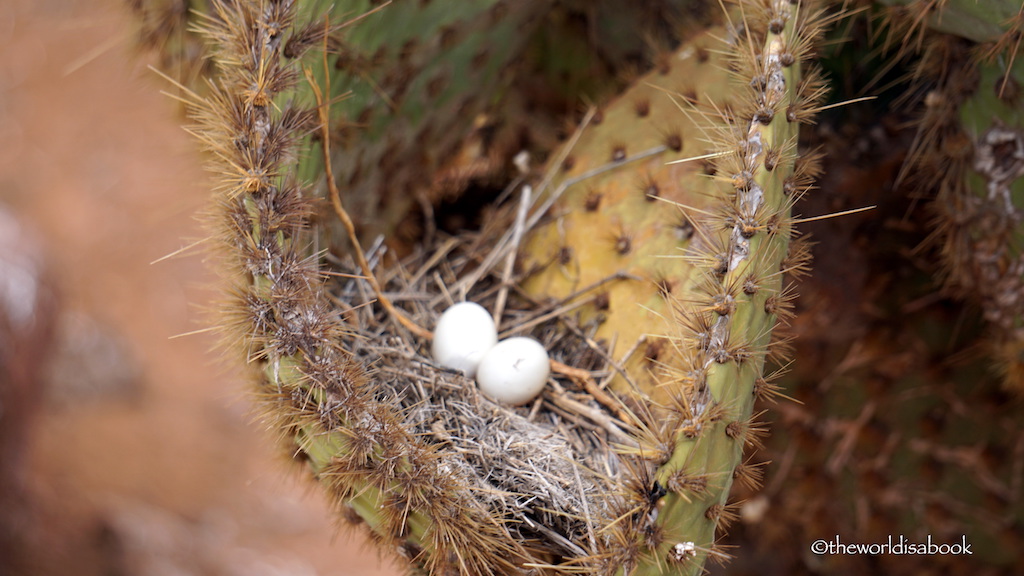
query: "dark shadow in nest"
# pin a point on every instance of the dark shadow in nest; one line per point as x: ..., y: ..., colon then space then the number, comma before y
x: 548, y: 468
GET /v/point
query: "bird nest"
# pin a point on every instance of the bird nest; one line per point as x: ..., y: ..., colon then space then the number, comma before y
x: 547, y: 469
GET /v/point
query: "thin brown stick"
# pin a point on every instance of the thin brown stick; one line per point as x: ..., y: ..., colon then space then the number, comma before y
x: 339, y: 210
x: 584, y: 379
x: 571, y: 407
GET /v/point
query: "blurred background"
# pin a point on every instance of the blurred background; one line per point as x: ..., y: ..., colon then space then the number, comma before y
x: 125, y: 450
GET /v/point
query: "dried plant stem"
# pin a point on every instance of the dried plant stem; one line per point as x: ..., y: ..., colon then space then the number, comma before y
x: 584, y: 379
x: 322, y: 110
x: 510, y: 260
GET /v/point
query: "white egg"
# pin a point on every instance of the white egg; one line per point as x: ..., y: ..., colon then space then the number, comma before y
x: 514, y: 371
x: 464, y: 333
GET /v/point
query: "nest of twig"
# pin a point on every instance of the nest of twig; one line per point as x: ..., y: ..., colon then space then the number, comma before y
x: 548, y: 469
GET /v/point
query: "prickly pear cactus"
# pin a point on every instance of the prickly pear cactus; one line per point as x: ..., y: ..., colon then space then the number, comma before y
x: 681, y: 266
x: 316, y: 395
x: 968, y: 155
x: 975, y: 21
x: 987, y: 254
x: 420, y: 79
x: 627, y: 476
x: 981, y: 206
x: 658, y: 288
x: 903, y: 430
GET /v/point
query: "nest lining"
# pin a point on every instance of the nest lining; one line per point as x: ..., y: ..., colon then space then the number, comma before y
x: 549, y: 468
